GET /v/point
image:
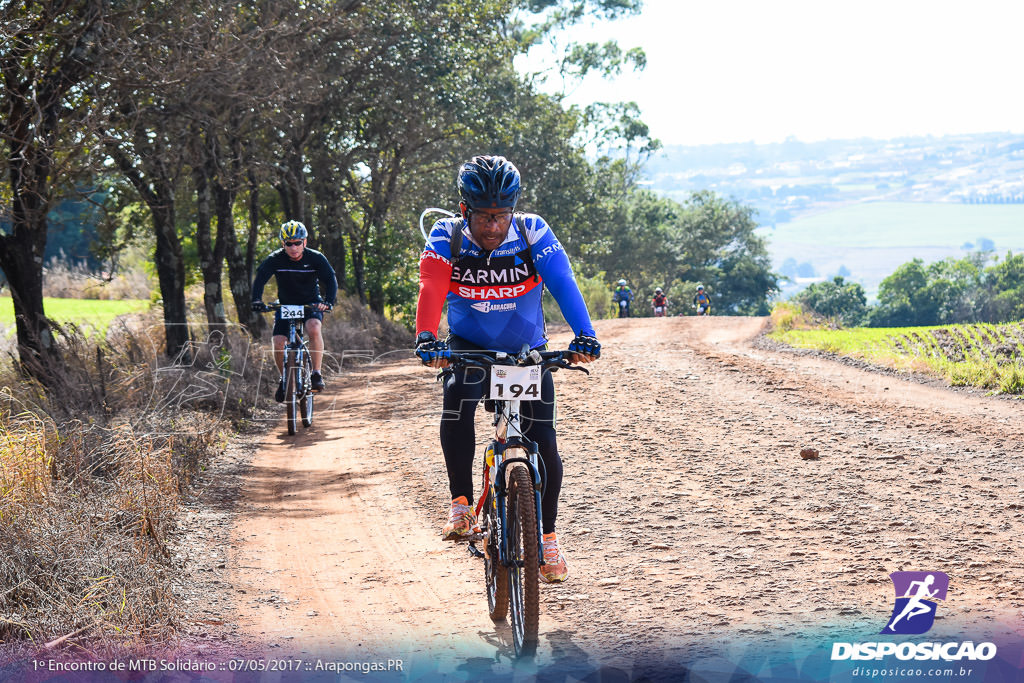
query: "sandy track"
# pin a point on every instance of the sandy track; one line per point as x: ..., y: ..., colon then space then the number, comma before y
x: 690, y: 522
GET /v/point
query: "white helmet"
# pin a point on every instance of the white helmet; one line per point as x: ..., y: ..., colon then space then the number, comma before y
x: 699, y: 286
x: 657, y: 290
x: 622, y: 282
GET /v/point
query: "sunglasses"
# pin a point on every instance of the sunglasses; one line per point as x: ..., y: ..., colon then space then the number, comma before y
x: 293, y: 244
x: 485, y: 218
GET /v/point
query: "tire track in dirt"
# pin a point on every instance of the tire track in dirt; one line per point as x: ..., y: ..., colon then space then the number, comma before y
x: 690, y: 522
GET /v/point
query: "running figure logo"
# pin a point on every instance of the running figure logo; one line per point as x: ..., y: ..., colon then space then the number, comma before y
x: 914, y: 611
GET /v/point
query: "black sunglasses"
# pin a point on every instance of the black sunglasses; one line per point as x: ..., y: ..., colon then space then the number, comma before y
x: 293, y: 244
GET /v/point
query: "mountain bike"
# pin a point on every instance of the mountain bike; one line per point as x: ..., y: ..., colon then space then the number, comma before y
x: 511, y: 523
x: 298, y: 395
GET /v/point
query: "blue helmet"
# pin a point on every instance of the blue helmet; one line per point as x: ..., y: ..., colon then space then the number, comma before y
x: 489, y: 182
x: 292, y: 230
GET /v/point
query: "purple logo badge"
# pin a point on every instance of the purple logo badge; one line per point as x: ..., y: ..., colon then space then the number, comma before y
x: 914, y: 611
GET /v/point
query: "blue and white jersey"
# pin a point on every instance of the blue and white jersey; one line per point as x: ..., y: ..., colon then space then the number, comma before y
x: 494, y: 298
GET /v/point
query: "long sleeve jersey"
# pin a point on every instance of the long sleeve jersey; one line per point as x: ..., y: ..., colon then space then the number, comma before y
x: 494, y: 300
x: 298, y: 282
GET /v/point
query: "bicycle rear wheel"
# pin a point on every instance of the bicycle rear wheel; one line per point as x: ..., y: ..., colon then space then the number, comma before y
x: 524, y: 561
x: 306, y: 403
x: 290, y: 399
x: 495, y: 576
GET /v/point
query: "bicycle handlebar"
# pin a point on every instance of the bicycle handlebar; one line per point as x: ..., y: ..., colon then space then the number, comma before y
x: 548, y: 360
x: 273, y: 306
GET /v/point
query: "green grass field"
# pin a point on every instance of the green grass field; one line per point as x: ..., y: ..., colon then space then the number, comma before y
x: 871, y: 239
x: 908, y: 224
x: 986, y: 356
x: 92, y: 314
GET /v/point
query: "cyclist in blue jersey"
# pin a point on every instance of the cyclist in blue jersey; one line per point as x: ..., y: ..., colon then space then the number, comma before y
x: 493, y: 286
x: 701, y: 301
x: 623, y: 298
x: 303, y: 276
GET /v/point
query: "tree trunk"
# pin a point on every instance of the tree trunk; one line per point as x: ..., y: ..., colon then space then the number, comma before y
x: 157, y: 189
x: 170, y: 269
x: 332, y: 242
x: 37, y: 351
x: 211, y: 254
x: 239, y: 279
x: 359, y: 271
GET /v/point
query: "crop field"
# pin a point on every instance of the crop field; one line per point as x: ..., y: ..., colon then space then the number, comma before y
x: 908, y: 224
x: 981, y: 355
x: 870, y: 240
x: 86, y: 313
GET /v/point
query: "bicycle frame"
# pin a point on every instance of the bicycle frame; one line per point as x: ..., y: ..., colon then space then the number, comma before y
x: 296, y: 354
x: 508, y: 436
x: 297, y: 344
x: 509, y: 546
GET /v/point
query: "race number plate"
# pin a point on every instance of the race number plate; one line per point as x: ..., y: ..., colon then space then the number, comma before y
x: 509, y: 382
x: 291, y: 312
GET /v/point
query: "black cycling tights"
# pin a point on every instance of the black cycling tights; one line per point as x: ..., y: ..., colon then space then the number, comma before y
x: 462, y: 393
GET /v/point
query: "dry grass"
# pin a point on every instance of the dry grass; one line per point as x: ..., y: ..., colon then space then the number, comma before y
x: 86, y: 551
x: 75, y: 281
x: 352, y: 326
x: 92, y: 474
x: 93, y: 471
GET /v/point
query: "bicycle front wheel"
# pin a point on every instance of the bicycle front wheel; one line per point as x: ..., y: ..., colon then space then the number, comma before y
x: 290, y: 398
x: 306, y: 403
x: 495, y: 575
x: 524, y: 561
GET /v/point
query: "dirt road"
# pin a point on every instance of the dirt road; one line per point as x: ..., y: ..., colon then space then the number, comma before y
x: 691, y: 524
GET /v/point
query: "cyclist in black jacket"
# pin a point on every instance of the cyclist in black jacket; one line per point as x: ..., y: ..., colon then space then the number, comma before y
x: 303, y: 276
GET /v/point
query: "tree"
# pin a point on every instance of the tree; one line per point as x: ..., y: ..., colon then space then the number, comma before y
x: 899, y: 296
x: 944, y: 292
x: 720, y: 249
x: 1004, y: 290
x: 49, y: 53
x: 839, y: 300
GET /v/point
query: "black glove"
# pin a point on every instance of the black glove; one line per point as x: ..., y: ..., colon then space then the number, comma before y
x: 429, y: 348
x: 259, y: 307
x: 586, y: 344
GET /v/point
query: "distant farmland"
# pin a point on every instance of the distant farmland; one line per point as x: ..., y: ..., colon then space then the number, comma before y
x: 872, y: 239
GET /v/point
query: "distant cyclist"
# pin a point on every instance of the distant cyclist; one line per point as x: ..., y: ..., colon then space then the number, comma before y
x: 623, y: 298
x: 701, y: 301
x: 303, y: 276
x: 493, y: 286
x: 659, y: 302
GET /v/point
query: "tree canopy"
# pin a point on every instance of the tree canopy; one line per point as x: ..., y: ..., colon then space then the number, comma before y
x: 220, y: 120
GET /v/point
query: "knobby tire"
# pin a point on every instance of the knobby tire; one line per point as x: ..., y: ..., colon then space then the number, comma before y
x: 495, y: 576
x: 290, y: 401
x: 524, y: 560
x: 306, y: 403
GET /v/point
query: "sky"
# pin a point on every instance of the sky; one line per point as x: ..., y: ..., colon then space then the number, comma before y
x: 765, y: 70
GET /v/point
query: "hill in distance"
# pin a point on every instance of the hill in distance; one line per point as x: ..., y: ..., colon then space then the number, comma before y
x: 860, y: 208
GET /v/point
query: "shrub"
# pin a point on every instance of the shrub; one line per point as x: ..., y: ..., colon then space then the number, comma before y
x: 596, y: 293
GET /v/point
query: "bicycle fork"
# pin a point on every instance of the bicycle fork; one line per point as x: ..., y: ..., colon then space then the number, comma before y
x: 501, y: 465
x: 295, y: 347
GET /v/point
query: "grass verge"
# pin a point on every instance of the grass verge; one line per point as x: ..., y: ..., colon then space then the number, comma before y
x: 980, y: 355
x: 96, y: 314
